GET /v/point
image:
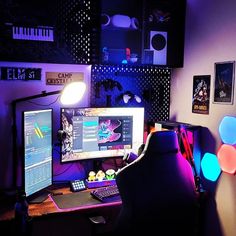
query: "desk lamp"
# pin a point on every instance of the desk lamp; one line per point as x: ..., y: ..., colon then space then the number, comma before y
x: 69, y: 95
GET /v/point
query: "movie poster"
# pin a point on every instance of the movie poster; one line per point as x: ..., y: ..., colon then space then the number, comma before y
x: 201, y: 94
x: 224, y: 82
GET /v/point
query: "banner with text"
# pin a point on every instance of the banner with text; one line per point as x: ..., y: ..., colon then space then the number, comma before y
x: 20, y: 73
x: 61, y: 78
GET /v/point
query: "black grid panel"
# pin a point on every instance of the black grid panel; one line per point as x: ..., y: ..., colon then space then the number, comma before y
x: 147, y: 86
x: 79, y: 22
x: 75, y: 25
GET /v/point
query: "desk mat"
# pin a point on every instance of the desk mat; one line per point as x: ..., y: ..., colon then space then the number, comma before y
x: 73, y: 200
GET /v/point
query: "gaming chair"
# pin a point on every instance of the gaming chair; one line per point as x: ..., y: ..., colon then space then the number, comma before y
x: 158, y: 191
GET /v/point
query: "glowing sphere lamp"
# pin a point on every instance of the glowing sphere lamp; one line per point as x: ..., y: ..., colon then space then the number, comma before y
x: 72, y: 93
x: 210, y: 166
x: 227, y: 130
x: 227, y: 158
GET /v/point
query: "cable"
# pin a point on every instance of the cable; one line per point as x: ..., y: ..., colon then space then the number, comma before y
x: 58, y: 151
x: 64, y: 170
x: 38, y: 104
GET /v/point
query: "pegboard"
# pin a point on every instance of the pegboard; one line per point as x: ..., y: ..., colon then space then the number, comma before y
x: 147, y: 86
x: 79, y: 20
x: 73, y: 27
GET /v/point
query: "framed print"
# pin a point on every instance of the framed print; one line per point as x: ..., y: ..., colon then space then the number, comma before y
x: 224, y: 82
x: 201, y: 94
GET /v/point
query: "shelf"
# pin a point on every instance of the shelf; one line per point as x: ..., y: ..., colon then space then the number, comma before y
x: 113, y: 28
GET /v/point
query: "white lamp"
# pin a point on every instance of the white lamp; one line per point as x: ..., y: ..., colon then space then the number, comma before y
x: 72, y: 93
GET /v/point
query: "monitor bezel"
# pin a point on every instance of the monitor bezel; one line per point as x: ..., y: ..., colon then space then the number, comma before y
x: 41, y: 194
x: 98, y: 158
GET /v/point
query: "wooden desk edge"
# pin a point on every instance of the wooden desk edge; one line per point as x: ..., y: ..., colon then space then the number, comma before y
x: 49, y: 207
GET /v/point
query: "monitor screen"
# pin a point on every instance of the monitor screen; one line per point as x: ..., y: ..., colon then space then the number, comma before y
x: 101, y: 132
x: 37, y: 170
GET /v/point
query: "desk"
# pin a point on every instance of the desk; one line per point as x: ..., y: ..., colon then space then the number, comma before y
x: 48, y: 219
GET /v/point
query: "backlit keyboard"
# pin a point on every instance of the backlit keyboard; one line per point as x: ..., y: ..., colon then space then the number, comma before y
x: 106, y: 194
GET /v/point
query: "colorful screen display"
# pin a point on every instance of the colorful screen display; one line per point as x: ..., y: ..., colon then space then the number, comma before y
x: 37, y: 132
x: 100, y: 132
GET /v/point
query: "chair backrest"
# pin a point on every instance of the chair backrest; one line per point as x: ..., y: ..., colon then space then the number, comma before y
x: 157, y: 189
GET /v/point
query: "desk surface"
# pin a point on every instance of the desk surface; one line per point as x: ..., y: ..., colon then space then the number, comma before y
x: 49, y: 206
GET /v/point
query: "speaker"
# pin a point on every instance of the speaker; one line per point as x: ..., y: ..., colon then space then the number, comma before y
x: 158, y: 44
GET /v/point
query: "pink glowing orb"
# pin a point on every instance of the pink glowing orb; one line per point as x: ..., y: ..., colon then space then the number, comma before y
x: 227, y: 158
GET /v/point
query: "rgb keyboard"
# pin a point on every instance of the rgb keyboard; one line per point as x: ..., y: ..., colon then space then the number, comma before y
x: 106, y: 194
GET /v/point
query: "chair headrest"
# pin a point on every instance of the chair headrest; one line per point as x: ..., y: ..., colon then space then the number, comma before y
x: 162, y: 142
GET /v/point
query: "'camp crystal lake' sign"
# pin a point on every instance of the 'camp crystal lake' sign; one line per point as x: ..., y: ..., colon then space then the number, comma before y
x: 60, y: 78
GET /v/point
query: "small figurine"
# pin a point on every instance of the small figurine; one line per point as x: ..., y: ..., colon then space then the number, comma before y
x: 110, y: 174
x: 92, y: 176
x: 100, y: 175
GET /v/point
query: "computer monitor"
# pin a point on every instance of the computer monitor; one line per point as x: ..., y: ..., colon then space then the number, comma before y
x: 92, y: 133
x: 37, y: 163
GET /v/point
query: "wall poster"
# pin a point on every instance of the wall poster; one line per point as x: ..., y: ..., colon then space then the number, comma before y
x: 224, y: 82
x: 201, y: 94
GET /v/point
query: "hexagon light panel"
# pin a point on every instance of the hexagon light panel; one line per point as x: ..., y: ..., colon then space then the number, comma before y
x: 227, y: 130
x: 227, y: 158
x: 210, y: 166
x: 227, y: 152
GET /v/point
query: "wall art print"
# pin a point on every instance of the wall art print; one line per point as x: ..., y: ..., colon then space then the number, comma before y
x: 201, y: 94
x: 224, y: 82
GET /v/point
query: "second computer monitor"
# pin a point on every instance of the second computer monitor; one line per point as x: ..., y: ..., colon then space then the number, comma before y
x: 37, y: 161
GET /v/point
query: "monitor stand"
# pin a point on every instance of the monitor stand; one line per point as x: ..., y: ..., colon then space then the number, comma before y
x: 38, y: 197
x: 97, y: 165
